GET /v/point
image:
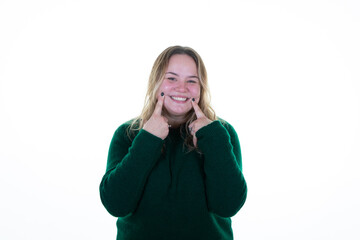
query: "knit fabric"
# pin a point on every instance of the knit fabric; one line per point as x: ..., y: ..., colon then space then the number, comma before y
x: 159, y: 190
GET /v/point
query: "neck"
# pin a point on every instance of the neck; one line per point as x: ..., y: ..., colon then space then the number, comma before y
x: 175, y: 121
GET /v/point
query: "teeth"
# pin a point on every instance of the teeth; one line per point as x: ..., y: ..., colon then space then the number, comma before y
x: 179, y: 98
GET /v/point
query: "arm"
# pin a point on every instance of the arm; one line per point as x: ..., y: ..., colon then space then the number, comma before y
x: 128, y: 166
x: 226, y: 188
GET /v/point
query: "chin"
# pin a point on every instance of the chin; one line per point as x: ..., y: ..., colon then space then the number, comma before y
x: 178, y: 112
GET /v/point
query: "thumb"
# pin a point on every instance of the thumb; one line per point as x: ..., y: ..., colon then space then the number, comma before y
x: 195, y: 141
x: 159, y: 104
x: 198, y: 112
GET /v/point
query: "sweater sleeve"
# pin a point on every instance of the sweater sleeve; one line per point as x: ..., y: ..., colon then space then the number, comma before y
x: 128, y: 167
x: 225, y: 185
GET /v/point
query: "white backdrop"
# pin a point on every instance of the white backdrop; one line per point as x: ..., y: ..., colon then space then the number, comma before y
x: 285, y: 74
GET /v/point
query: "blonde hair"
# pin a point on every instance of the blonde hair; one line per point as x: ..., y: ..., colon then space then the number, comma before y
x: 155, y: 80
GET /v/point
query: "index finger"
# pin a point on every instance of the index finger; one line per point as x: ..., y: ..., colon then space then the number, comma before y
x: 198, y: 112
x: 159, y: 105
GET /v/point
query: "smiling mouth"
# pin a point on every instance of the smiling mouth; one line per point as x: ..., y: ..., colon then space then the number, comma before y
x: 179, y: 99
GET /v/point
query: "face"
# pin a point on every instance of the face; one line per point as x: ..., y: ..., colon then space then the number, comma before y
x: 180, y: 84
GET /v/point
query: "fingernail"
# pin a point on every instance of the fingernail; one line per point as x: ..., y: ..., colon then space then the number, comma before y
x: 162, y: 94
x: 193, y: 99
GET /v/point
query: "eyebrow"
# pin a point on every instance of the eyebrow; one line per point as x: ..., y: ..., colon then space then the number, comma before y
x: 178, y: 75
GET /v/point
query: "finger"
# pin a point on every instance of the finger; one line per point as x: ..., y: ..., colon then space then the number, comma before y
x: 198, y: 112
x: 165, y: 119
x: 192, y: 128
x: 159, y: 105
x: 194, y: 141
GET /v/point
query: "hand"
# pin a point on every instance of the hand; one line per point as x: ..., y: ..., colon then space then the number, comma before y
x: 158, y: 124
x: 200, y: 122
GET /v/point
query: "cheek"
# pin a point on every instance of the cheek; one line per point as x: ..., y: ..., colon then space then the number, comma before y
x: 164, y: 88
x: 195, y: 92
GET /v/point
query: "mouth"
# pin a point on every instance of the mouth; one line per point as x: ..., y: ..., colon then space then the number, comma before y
x: 179, y: 99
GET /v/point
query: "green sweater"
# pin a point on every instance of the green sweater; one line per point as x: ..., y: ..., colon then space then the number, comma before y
x: 159, y: 190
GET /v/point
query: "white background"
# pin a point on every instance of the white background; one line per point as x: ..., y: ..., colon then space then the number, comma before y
x: 285, y: 74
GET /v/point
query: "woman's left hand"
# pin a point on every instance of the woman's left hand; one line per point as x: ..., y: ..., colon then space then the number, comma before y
x: 200, y: 122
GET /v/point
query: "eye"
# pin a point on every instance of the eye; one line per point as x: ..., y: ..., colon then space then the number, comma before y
x: 171, y: 78
x: 192, y: 81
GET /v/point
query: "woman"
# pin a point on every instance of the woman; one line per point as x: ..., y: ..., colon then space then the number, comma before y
x: 175, y: 171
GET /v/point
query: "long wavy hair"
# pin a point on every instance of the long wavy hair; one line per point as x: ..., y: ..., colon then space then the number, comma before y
x: 155, y: 80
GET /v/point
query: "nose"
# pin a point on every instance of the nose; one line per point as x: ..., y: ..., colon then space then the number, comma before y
x: 181, y: 86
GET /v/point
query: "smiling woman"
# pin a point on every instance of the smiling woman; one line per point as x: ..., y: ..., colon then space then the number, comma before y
x: 181, y: 84
x: 175, y: 172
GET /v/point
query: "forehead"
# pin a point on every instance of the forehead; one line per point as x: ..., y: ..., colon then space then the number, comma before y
x: 182, y: 63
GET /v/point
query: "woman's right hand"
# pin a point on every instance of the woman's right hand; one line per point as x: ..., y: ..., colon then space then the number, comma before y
x: 158, y: 124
